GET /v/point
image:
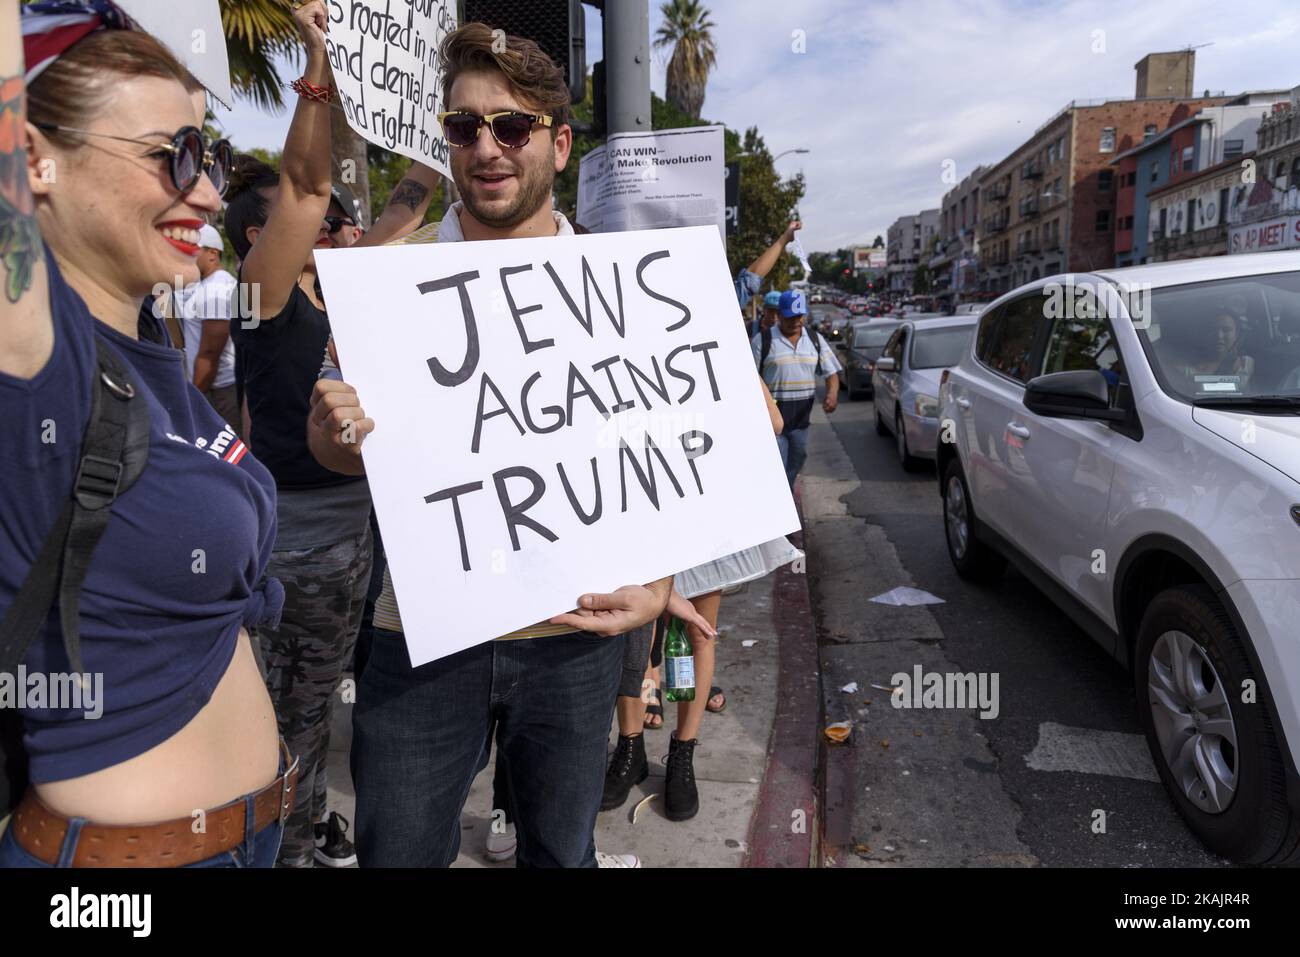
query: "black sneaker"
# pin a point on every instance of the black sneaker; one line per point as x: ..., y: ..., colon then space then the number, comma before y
x: 681, y: 799
x: 627, y: 766
x: 333, y: 849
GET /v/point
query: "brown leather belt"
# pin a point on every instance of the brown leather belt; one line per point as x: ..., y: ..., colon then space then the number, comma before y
x: 40, y: 831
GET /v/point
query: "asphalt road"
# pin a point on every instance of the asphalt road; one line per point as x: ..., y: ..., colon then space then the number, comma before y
x: 1065, y: 744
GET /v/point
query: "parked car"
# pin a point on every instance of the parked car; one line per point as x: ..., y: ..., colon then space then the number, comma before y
x: 862, y: 347
x: 1142, y: 467
x: 905, y: 382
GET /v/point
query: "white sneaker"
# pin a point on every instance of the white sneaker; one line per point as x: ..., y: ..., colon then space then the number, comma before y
x: 617, y: 860
x: 501, y: 845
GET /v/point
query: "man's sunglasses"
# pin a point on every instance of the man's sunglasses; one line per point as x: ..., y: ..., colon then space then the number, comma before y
x: 191, y: 155
x: 511, y: 129
x: 335, y: 223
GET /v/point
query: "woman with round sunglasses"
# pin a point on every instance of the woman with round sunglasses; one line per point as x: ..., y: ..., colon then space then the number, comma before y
x: 324, y: 545
x: 176, y: 760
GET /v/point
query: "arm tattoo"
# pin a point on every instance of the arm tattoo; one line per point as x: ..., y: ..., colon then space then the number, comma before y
x: 20, y: 240
x: 408, y: 193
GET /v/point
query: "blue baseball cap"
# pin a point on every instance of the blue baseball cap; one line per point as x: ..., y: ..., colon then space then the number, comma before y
x: 792, y: 304
x: 772, y: 300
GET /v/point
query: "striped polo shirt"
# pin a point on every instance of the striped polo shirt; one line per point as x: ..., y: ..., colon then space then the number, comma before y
x: 791, y: 369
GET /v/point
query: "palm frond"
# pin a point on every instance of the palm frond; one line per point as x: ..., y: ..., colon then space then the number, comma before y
x: 258, y: 32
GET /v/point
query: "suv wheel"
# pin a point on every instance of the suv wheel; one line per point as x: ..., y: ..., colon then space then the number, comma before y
x: 1216, y: 753
x: 973, y: 560
x: 906, y: 459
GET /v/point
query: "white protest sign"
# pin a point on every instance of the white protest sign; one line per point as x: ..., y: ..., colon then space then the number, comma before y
x: 194, y: 35
x: 553, y: 417
x: 654, y: 180
x: 384, y: 54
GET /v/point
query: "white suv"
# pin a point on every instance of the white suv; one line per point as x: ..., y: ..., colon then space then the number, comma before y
x: 1130, y: 439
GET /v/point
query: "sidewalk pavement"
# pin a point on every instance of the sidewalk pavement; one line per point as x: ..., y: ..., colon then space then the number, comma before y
x: 738, y: 789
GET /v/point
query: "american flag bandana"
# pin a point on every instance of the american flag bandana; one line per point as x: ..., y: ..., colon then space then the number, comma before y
x: 52, y: 27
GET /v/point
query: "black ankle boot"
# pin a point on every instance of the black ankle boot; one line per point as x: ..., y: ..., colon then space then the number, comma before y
x: 681, y: 799
x: 627, y: 766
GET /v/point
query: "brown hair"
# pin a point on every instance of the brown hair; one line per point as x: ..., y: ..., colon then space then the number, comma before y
x: 246, y: 204
x: 533, y: 77
x: 78, y: 85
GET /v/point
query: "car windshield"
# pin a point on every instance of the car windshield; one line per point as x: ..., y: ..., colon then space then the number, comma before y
x: 1227, y: 339
x: 940, y: 348
x: 866, y: 336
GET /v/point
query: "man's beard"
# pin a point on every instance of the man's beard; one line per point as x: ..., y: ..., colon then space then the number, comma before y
x: 534, y: 190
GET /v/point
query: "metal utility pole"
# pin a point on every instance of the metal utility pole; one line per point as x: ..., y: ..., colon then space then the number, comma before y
x: 627, y: 65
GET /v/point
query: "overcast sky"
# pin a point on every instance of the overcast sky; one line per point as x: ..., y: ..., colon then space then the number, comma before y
x: 887, y: 90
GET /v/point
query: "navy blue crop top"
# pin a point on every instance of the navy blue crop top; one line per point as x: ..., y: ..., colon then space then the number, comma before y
x: 178, y: 570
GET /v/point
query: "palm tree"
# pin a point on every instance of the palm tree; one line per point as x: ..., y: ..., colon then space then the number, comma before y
x: 258, y: 34
x: 687, y: 29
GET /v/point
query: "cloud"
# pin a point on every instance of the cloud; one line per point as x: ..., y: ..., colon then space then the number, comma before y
x: 888, y: 90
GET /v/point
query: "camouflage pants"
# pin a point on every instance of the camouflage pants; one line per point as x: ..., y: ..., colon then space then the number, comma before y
x: 324, y: 593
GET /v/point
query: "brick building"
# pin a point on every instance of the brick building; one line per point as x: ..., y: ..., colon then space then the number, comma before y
x: 953, y: 266
x: 1186, y: 145
x: 1050, y: 206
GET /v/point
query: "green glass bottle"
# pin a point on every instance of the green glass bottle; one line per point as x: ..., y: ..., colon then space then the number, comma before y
x: 679, y: 663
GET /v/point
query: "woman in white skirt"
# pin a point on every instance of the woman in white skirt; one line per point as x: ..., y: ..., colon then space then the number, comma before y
x: 697, y: 589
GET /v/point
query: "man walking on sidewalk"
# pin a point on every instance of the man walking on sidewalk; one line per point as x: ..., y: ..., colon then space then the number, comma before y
x: 547, y: 691
x: 791, y: 358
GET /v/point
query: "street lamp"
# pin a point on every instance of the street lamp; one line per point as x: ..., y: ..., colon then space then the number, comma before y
x: 797, y: 149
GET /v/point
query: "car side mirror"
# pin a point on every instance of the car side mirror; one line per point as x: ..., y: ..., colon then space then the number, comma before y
x: 885, y: 364
x: 1081, y: 394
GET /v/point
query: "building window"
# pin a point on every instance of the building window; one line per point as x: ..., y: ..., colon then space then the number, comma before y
x: 1155, y: 170
x: 1105, y: 180
x: 1103, y: 220
x: 1189, y: 157
x: 1107, y: 140
x: 1295, y: 171
x: 1233, y: 148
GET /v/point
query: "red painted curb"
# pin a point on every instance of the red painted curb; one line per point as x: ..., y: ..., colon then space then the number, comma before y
x: 779, y: 836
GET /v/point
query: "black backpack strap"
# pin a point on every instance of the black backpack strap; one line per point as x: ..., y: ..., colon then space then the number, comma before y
x: 114, y: 451
x: 765, y: 340
x: 817, y: 345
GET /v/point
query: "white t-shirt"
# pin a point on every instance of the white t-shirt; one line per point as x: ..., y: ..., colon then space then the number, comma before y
x: 208, y: 300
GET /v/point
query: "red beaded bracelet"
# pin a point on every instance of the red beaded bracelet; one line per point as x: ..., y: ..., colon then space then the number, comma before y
x: 310, y: 91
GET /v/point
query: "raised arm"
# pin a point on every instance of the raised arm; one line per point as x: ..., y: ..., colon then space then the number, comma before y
x: 763, y: 264
x: 406, y: 207
x: 26, y: 329
x: 294, y: 221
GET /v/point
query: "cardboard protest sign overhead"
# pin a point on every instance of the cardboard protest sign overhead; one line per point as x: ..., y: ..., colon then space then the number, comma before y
x: 654, y: 180
x: 194, y: 35
x: 552, y: 417
x: 384, y: 54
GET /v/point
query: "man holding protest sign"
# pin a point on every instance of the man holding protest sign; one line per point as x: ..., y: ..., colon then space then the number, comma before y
x: 421, y: 734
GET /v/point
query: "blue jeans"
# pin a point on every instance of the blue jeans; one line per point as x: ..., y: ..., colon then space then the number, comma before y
x: 420, y: 735
x: 258, y: 849
x: 794, y: 450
